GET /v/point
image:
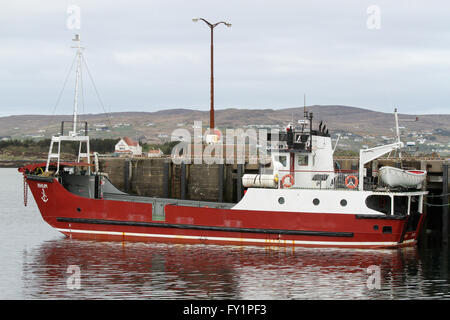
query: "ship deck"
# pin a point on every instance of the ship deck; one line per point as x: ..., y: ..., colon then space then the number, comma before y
x: 165, y: 201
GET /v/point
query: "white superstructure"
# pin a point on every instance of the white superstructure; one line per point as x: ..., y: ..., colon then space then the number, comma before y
x: 303, y: 178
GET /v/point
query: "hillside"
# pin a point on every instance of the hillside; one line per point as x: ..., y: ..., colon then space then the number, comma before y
x: 157, y: 126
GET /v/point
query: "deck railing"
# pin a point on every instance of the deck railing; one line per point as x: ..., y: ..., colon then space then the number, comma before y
x: 339, y: 179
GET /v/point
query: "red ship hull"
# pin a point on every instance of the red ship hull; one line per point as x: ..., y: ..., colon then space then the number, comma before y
x: 82, y: 217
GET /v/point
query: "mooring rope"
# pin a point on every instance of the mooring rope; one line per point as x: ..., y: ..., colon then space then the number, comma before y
x: 436, y: 205
x: 438, y: 195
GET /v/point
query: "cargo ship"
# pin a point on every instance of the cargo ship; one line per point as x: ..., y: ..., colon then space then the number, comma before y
x: 302, y: 201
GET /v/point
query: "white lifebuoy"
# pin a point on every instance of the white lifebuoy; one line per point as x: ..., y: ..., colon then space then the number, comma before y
x: 349, y: 183
x: 291, y: 181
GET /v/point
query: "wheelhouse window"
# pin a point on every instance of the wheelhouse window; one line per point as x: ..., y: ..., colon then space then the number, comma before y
x: 379, y: 203
x: 283, y: 160
x: 302, y: 160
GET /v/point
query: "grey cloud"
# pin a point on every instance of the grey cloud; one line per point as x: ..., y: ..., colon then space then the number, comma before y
x: 150, y: 54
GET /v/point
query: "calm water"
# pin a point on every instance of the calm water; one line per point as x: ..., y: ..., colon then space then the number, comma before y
x: 35, y: 260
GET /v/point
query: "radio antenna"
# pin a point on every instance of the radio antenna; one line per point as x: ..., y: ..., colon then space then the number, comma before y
x: 305, y: 113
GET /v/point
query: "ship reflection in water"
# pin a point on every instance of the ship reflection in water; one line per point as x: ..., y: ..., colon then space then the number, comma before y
x: 116, y: 270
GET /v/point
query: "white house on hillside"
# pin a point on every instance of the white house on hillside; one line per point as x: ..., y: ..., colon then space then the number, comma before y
x: 154, y: 153
x: 127, y: 146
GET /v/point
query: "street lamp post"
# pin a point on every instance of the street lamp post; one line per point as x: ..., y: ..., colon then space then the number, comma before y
x: 212, y: 26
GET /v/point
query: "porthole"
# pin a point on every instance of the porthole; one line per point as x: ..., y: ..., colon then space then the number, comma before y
x: 343, y: 202
x: 375, y: 227
x: 316, y: 202
x: 281, y: 200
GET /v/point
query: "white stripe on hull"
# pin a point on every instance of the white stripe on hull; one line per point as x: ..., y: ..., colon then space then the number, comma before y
x: 247, y: 240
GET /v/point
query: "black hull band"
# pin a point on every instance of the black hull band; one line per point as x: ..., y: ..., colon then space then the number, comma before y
x: 208, y: 228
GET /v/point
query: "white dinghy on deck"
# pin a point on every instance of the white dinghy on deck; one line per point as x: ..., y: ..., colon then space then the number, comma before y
x: 396, y: 177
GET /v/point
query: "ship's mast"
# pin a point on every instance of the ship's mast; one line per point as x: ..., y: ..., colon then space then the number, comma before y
x: 79, y: 54
x: 73, y: 135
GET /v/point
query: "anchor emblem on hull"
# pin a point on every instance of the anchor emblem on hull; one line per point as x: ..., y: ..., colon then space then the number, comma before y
x: 44, y: 196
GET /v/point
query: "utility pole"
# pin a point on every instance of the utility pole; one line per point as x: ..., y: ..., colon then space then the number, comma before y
x: 212, y: 26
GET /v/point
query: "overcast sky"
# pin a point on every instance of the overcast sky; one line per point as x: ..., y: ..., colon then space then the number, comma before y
x: 149, y: 55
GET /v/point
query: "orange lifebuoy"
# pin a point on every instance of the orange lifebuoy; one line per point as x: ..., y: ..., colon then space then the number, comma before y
x: 291, y: 180
x: 351, y: 184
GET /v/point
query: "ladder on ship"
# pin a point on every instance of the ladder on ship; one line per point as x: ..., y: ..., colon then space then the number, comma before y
x: 57, y: 155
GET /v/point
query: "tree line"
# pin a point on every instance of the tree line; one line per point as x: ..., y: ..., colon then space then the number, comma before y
x: 102, y: 146
x: 96, y: 145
